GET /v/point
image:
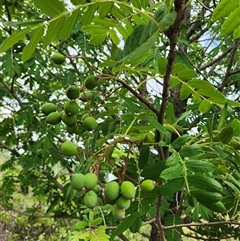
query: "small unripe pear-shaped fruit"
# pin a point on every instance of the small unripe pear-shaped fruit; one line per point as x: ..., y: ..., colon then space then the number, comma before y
x: 58, y: 58
x: 123, y: 203
x: 69, y: 120
x: 90, y: 199
x: 91, y: 82
x: 128, y: 190
x: 69, y: 148
x: 111, y: 190
x: 86, y: 95
x: 72, y: 92
x: 90, y: 180
x: 53, y: 118
x: 71, y: 107
x: 47, y: 108
x: 76, y: 181
x: 147, y: 185
x: 89, y: 123
x: 118, y: 213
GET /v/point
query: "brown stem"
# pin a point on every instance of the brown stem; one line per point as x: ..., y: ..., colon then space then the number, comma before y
x: 230, y: 63
x: 200, y: 224
x: 219, y: 58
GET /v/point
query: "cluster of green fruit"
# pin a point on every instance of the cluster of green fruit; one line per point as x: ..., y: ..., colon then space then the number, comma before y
x: 120, y: 196
x: 87, y: 190
x: 69, y: 113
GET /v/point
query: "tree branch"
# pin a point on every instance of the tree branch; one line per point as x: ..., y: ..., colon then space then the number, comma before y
x: 134, y: 92
x: 200, y: 224
x: 215, y: 60
x: 230, y: 63
x: 4, y: 146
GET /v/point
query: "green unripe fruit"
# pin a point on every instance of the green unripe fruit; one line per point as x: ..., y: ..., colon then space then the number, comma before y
x: 76, y: 181
x: 147, y: 185
x: 79, y: 194
x: 111, y: 191
x: 84, y: 116
x: 69, y: 148
x: 53, y: 118
x: 91, y: 82
x: 58, y: 58
x: 71, y: 107
x: 90, y: 199
x: 71, y: 129
x: 86, y: 96
x: 123, y: 203
x: 89, y: 123
x: 118, y: 213
x: 72, y: 92
x: 127, y: 190
x: 48, y: 108
x: 90, y: 180
x: 97, y: 189
x: 69, y: 120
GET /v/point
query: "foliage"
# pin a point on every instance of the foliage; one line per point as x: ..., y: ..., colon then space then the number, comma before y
x: 165, y: 101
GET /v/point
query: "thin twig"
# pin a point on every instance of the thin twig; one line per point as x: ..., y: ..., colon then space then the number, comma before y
x: 230, y: 63
x: 200, y: 224
x: 219, y: 58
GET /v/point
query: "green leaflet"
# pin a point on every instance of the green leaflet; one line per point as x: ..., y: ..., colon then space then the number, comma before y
x: 222, y: 118
x: 205, y: 196
x: 231, y: 23
x: 235, y: 125
x: 69, y: 24
x: 134, y: 228
x: 143, y: 157
x: 14, y: 38
x: 170, y: 114
x: 105, y: 8
x: 36, y: 36
x: 162, y: 65
x: 124, y: 225
x: 185, y: 91
x: 98, y: 33
x: 153, y: 170
x: 180, y: 141
x: 77, y: 2
x: 132, y: 41
x: 204, y: 182
x: 171, y: 187
x: 88, y: 16
x: 172, y: 172
x: 167, y: 21
x: 200, y: 166
x: 205, y: 106
x: 51, y: 8
x: 224, y: 8
x: 105, y: 126
x: 226, y: 135
x: 190, y: 151
x: 53, y: 29
x: 214, y: 206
